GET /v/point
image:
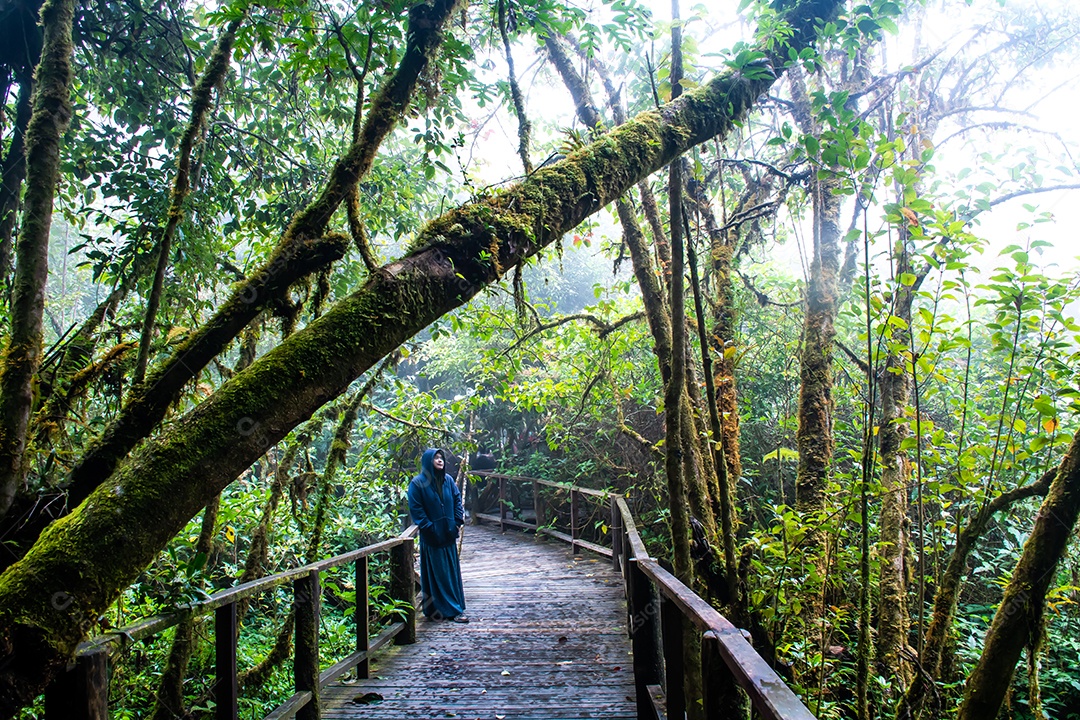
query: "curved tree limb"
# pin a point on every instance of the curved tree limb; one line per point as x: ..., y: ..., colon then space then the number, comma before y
x: 948, y: 592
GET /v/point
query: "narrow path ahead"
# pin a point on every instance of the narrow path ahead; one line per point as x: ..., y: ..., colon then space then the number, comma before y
x: 547, y: 640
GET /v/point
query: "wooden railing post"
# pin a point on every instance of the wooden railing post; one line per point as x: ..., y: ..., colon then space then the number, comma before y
x: 671, y: 625
x: 81, y: 693
x: 537, y: 508
x: 226, y: 689
x: 722, y: 696
x: 306, y: 607
x: 362, y: 614
x: 574, y: 530
x: 502, y: 504
x: 403, y: 588
x: 643, y: 618
x: 475, y: 511
x: 615, y: 528
x: 714, y: 676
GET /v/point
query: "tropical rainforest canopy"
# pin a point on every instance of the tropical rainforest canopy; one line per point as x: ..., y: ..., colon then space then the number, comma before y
x: 790, y: 276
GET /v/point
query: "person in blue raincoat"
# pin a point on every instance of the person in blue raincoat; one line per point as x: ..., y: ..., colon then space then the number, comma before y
x: 436, y: 508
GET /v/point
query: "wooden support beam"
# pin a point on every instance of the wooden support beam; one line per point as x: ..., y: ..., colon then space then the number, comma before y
x: 672, y: 629
x: 644, y: 613
x: 226, y: 689
x: 502, y: 504
x: 575, y: 531
x: 306, y: 605
x: 719, y: 688
x: 362, y: 614
x: 403, y: 589
x: 538, y: 504
x: 615, y: 529
x: 81, y: 693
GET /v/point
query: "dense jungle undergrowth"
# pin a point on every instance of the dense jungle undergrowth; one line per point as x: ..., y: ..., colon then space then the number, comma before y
x: 797, y: 278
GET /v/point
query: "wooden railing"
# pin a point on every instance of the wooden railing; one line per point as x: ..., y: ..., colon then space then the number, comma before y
x: 660, y: 612
x: 82, y: 693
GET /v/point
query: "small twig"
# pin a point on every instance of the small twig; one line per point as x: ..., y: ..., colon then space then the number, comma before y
x: 408, y: 423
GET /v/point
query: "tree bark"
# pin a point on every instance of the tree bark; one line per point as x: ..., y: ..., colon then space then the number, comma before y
x: 14, y: 171
x: 948, y: 594
x: 201, y: 103
x: 81, y: 563
x: 22, y: 355
x: 895, y: 390
x: 814, y: 437
x: 1019, y: 617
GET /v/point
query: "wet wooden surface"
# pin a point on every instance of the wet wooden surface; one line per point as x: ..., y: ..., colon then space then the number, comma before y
x: 547, y: 640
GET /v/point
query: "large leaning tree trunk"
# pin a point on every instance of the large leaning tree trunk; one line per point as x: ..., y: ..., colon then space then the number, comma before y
x: 22, y: 355
x: 50, y: 598
x: 305, y: 248
x: 1019, y: 617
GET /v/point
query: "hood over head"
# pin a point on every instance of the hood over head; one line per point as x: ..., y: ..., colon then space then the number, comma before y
x: 427, y: 465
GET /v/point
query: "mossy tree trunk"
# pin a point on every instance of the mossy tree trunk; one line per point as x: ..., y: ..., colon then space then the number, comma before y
x: 1019, y: 618
x: 14, y: 171
x: 201, y: 102
x: 948, y: 594
x: 814, y: 437
x: 895, y: 390
x: 657, y: 314
x: 91, y: 555
x: 22, y: 355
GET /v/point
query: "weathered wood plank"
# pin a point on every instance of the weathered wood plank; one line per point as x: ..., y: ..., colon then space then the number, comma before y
x: 551, y: 621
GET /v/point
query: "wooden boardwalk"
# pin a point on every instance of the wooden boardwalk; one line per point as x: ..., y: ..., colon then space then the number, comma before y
x: 547, y: 640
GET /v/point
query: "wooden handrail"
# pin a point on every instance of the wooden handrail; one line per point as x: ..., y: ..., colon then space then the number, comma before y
x: 548, y: 483
x: 91, y: 663
x: 724, y: 647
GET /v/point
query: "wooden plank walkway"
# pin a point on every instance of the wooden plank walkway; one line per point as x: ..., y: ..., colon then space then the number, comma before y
x: 547, y: 640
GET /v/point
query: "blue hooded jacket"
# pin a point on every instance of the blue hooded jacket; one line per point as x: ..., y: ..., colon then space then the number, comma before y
x: 435, y: 503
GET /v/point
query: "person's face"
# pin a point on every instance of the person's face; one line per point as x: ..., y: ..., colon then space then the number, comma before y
x: 438, y: 461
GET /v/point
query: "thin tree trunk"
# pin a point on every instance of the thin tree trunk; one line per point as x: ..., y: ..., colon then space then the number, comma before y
x: 948, y: 594
x: 524, y: 126
x: 14, y: 171
x: 22, y: 355
x: 169, y: 699
x: 451, y: 260
x: 716, y: 443
x: 201, y: 103
x: 895, y: 389
x: 260, y: 673
x: 1019, y: 617
x: 675, y: 391
x: 814, y: 437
